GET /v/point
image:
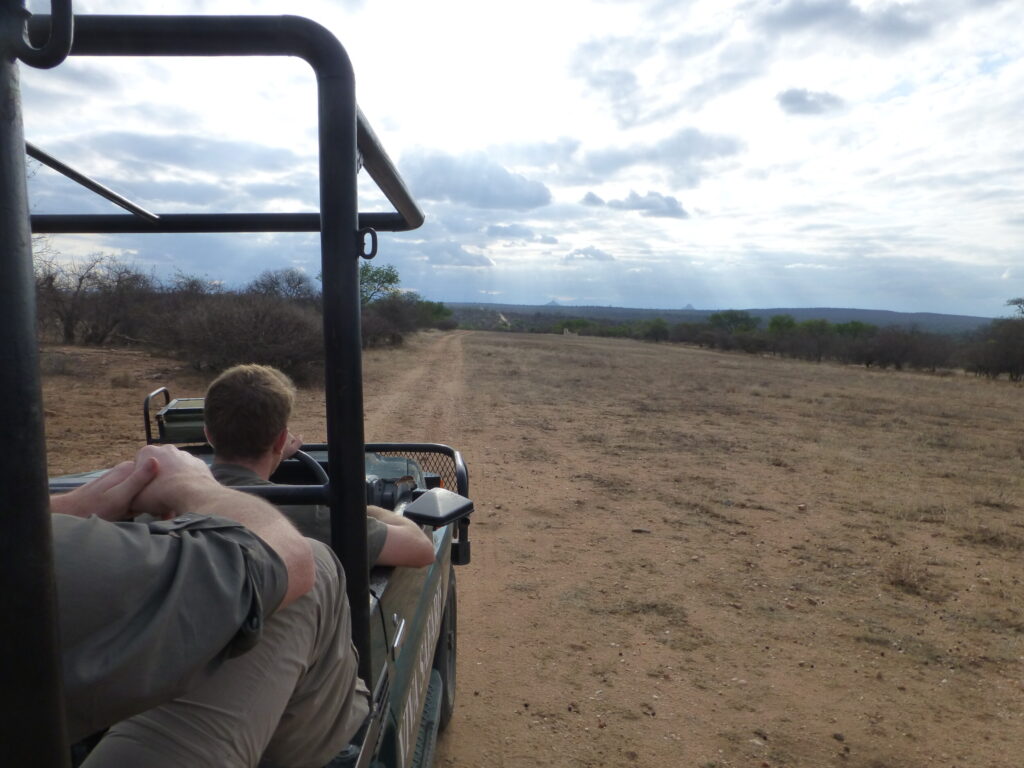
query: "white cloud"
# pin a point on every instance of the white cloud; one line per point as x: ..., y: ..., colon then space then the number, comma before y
x: 800, y: 101
x: 589, y: 253
x: 830, y: 151
x: 652, y: 204
x: 805, y: 265
x: 473, y: 180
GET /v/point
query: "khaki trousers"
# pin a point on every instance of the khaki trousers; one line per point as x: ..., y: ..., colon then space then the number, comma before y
x: 295, y: 700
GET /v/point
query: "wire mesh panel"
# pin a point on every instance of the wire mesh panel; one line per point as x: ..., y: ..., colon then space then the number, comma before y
x: 435, y: 459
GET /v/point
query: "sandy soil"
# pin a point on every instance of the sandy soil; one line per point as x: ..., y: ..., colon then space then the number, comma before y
x: 690, y: 558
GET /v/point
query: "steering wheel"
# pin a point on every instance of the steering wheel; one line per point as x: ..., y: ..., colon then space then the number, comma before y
x: 314, y: 467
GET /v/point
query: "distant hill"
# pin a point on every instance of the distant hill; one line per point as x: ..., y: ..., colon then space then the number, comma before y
x: 527, y: 316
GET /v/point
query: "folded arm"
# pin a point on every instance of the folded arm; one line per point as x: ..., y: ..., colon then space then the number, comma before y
x: 184, y: 484
x: 166, y: 482
x: 406, y: 543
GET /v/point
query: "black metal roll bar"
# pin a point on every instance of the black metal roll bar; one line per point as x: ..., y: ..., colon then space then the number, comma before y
x: 49, y: 160
x: 32, y: 724
x: 31, y: 720
x: 233, y: 36
x: 112, y: 223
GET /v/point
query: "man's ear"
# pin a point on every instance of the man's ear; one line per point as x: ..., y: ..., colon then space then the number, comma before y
x: 280, y: 440
x: 207, y: 433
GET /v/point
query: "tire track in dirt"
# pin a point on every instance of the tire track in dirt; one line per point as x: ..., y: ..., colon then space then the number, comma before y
x: 428, y: 399
x: 421, y: 402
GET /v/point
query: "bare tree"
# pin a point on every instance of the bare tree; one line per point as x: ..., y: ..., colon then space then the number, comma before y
x: 88, y: 298
x: 61, y: 288
x: 188, y: 284
x: 290, y: 283
x: 117, y: 299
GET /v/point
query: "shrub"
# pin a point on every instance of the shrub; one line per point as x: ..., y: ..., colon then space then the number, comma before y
x: 387, y: 320
x: 654, y: 330
x: 434, y: 314
x: 228, y: 328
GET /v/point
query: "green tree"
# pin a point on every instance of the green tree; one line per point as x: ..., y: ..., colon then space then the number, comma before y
x: 376, y: 283
x: 998, y: 349
x: 387, y: 320
x: 780, y: 325
x: 434, y: 314
x: 855, y: 329
x: 654, y: 330
x: 687, y: 332
x: 815, y: 335
x: 734, y: 321
x: 573, y: 325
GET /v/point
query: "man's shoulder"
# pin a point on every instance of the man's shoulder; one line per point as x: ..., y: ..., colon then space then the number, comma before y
x: 235, y: 475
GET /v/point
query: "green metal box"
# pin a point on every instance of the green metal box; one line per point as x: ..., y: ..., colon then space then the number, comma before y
x: 181, y: 421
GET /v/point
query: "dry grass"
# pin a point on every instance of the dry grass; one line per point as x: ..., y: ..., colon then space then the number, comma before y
x: 122, y: 381
x: 826, y: 549
x: 62, y: 362
x: 683, y: 557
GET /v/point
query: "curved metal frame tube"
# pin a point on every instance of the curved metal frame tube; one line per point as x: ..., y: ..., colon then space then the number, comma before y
x: 338, y: 225
x: 58, y: 41
x: 49, y: 160
x: 32, y: 727
x: 243, y: 36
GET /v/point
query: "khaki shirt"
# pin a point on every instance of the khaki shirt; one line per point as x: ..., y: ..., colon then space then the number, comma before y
x: 312, y: 520
x: 148, y: 610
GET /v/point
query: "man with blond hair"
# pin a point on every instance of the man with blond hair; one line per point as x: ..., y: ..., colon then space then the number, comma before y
x: 246, y: 410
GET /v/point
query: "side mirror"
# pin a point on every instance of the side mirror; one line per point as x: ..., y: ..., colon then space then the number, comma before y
x: 438, y: 507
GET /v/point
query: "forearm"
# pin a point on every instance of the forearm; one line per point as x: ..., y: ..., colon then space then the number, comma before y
x: 391, y: 518
x: 406, y: 543
x: 266, y: 522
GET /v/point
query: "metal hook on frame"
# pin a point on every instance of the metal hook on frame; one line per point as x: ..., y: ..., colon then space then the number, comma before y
x: 57, y: 46
x: 363, y: 232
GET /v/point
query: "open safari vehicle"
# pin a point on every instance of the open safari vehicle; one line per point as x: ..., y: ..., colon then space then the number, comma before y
x: 403, y: 619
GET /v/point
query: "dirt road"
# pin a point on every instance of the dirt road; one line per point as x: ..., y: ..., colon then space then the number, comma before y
x: 689, y: 558
x: 423, y: 400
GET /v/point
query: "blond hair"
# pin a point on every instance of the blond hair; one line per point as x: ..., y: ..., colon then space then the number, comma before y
x: 245, y: 410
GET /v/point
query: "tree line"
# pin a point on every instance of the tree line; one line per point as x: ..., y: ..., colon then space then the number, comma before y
x: 275, y: 319
x: 994, y: 350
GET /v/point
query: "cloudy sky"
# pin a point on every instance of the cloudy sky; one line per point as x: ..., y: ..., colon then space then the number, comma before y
x: 644, y: 153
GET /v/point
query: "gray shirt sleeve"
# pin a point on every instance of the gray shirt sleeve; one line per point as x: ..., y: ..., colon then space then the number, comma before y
x: 146, y: 610
x: 376, y: 533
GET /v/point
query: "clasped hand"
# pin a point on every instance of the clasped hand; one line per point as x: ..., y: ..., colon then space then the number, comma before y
x: 158, y: 482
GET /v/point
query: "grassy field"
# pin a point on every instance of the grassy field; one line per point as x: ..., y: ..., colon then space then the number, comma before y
x: 690, y: 558
x: 725, y: 560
